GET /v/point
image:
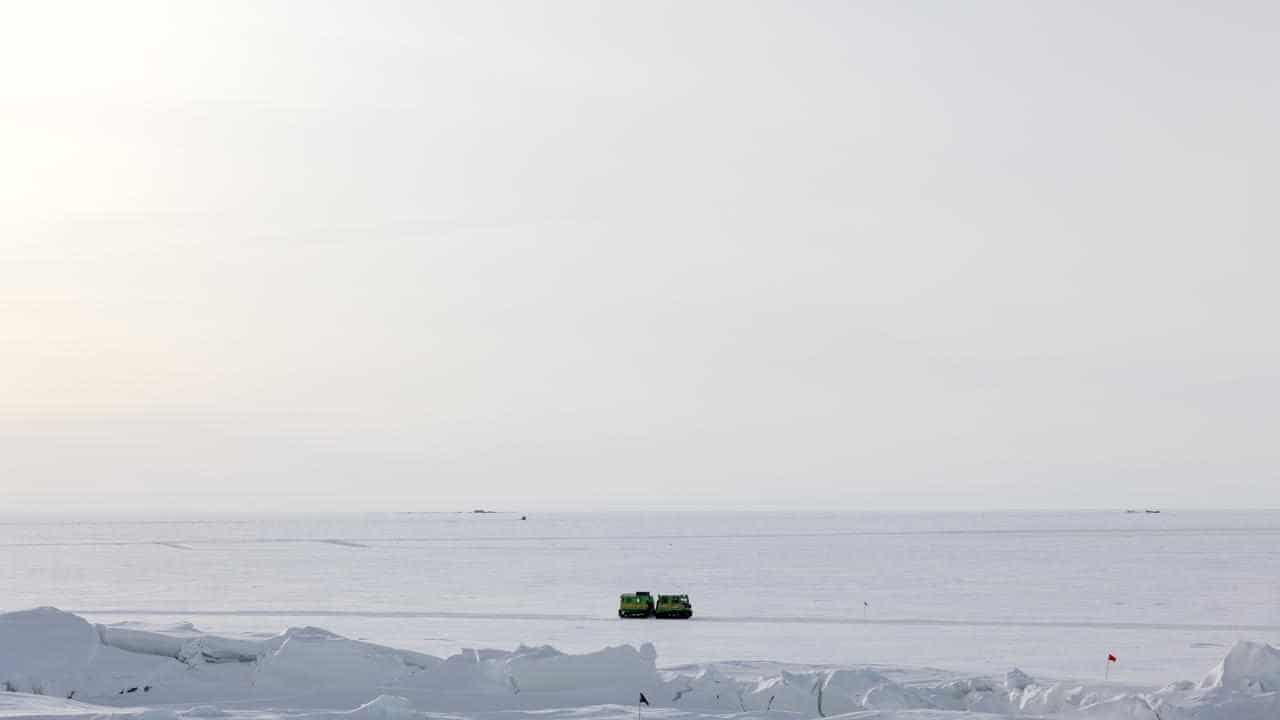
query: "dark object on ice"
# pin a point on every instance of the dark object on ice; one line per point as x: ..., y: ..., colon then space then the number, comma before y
x: 146, y: 688
x: 641, y: 604
x: 643, y: 700
x: 636, y: 604
x: 524, y: 517
x: 673, y: 606
x: 1153, y: 512
x: 482, y: 511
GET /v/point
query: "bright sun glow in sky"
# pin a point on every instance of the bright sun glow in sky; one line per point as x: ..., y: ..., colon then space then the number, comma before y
x: 823, y: 254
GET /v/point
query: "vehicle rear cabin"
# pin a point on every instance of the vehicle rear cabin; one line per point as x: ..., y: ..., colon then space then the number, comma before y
x: 636, y: 604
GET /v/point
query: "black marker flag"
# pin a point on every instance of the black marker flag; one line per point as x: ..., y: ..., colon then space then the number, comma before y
x: 643, y: 700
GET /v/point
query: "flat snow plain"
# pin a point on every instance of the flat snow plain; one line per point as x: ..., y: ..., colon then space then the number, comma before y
x: 1050, y: 593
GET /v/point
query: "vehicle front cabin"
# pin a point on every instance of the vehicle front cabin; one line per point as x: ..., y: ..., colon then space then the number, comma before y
x: 673, y: 606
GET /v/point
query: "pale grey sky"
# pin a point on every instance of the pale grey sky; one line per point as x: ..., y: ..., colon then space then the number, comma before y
x: 589, y: 254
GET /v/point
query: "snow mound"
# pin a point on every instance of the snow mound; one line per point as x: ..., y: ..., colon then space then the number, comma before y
x: 52, y: 662
x: 1249, y: 667
x: 313, y: 657
x: 1046, y: 699
x: 1220, y: 704
x: 23, y: 705
x: 1015, y: 679
x: 383, y: 707
x: 971, y: 695
x: 710, y: 688
x: 45, y: 651
x: 156, y: 714
x: 205, y: 711
x: 894, y: 697
x: 1123, y: 707
x: 853, y: 683
x: 795, y: 692
x: 847, y: 690
x: 545, y: 669
x: 915, y: 715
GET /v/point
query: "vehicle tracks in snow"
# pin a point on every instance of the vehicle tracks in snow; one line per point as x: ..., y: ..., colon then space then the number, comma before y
x: 752, y: 620
x: 368, y: 541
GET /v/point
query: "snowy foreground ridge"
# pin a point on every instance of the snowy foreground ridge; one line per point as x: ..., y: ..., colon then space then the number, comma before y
x: 57, y: 665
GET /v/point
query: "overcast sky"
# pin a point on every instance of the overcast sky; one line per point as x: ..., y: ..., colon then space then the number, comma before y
x: 423, y: 255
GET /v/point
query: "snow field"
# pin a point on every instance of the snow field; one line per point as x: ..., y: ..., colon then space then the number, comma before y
x: 1049, y: 592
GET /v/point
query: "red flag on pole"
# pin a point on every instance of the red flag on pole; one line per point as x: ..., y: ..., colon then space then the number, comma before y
x: 1111, y: 658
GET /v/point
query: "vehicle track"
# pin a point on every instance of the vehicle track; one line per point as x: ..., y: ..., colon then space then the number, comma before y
x: 367, y: 541
x: 746, y: 619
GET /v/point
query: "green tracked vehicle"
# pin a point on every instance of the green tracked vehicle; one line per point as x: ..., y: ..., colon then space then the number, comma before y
x: 636, y: 604
x: 673, y: 606
x: 641, y: 604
